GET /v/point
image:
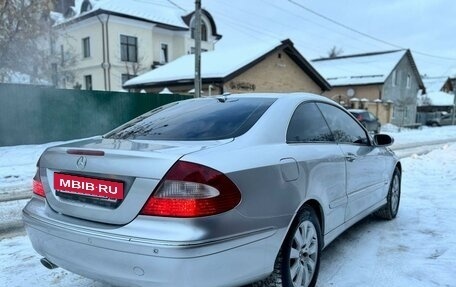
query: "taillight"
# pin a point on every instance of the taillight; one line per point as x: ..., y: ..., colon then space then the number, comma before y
x: 38, y: 185
x: 192, y: 190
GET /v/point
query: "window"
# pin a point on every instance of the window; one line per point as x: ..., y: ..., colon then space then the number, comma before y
x: 394, y: 78
x: 86, y: 47
x: 343, y: 127
x: 203, y: 30
x: 409, y: 83
x: 308, y: 125
x: 128, y: 48
x: 62, y: 56
x: 208, y: 119
x: 86, y: 6
x: 88, y: 82
x: 164, y: 53
x: 126, y: 77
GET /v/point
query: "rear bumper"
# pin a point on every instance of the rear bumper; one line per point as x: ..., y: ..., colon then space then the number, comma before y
x: 121, y: 260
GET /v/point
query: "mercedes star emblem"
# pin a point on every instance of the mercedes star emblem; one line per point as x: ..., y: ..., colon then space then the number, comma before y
x: 81, y: 163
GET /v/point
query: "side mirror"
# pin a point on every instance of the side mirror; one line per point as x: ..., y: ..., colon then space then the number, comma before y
x: 383, y: 140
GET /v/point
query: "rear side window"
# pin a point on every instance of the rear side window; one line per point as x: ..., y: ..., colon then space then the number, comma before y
x: 194, y: 120
x: 308, y: 125
x: 344, y: 128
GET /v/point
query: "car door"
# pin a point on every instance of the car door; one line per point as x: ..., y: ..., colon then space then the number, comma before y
x: 365, y: 164
x: 320, y: 161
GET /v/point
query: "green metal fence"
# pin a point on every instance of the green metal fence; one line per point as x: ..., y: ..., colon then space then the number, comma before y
x: 37, y: 114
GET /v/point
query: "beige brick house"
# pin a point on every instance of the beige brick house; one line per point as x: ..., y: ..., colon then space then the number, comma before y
x: 272, y: 67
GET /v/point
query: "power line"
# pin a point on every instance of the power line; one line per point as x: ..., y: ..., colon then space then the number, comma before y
x: 366, y: 35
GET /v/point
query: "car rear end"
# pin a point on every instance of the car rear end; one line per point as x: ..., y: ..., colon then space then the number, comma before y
x: 369, y: 121
x: 135, y: 213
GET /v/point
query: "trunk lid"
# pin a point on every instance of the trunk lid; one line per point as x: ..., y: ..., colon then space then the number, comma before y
x: 136, y: 166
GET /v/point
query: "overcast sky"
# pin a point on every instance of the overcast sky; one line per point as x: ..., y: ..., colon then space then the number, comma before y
x: 424, y: 26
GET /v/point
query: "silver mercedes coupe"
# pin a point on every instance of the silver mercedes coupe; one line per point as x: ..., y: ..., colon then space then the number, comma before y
x: 212, y: 192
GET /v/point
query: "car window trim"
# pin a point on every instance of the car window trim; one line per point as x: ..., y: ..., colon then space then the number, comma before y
x: 369, y: 141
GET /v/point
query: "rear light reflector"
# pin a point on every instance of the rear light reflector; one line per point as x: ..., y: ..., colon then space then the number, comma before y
x: 38, y: 188
x: 192, y: 190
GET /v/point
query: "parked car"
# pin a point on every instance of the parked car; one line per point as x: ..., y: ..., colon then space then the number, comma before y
x: 369, y: 121
x: 209, y: 192
x: 444, y: 120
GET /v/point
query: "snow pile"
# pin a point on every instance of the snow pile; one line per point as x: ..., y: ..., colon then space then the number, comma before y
x: 18, y: 165
x: 415, y: 136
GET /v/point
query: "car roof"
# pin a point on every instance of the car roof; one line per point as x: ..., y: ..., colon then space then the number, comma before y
x: 295, y: 96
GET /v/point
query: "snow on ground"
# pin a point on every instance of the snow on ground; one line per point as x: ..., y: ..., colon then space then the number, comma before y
x: 424, y: 134
x: 418, y: 248
x: 18, y: 166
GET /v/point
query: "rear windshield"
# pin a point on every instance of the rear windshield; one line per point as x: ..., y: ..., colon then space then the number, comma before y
x: 203, y: 119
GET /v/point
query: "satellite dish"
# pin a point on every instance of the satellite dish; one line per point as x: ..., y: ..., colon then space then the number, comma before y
x: 350, y: 92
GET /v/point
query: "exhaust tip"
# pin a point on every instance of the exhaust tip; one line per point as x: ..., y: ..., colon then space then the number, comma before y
x: 48, y: 264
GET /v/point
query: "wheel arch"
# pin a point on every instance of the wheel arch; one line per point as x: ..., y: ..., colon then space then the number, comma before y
x: 315, y: 205
x: 399, y: 166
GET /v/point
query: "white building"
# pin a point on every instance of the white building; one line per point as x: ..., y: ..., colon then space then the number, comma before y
x: 111, y: 41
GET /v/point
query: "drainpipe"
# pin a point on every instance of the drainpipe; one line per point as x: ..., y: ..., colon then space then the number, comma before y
x: 107, y: 54
x: 105, y: 65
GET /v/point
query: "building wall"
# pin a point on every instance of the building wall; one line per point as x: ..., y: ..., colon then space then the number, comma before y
x: 394, y: 89
x: 404, y: 97
x: 107, y: 74
x: 339, y: 94
x: 274, y: 74
x: 70, y: 39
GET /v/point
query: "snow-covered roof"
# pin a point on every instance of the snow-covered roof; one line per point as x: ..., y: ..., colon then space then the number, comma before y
x: 434, y: 84
x: 158, y: 11
x: 436, y: 99
x: 214, y: 64
x: 370, y: 68
x: 218, y: 64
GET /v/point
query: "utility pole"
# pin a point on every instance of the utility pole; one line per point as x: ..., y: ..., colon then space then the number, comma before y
x: 197, y: 25
x: 453, y: 121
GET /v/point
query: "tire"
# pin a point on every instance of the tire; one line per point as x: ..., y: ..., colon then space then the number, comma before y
x: 389, y: 211
x: 299, y: 257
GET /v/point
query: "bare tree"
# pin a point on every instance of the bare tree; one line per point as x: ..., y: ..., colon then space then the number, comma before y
x: 335, y: 52
x: 24, y: 38
x: 133, y: 68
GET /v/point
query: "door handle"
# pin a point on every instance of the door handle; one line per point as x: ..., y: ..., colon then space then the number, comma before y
x: 350, y: 157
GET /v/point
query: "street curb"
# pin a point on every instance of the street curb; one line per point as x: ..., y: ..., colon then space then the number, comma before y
x: 11, y: 229
x: 16, y: 195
